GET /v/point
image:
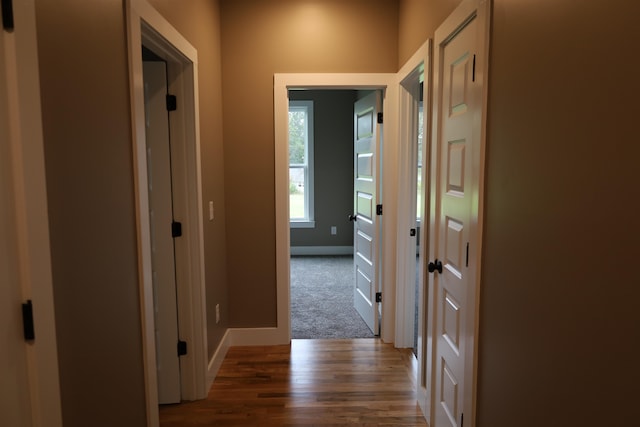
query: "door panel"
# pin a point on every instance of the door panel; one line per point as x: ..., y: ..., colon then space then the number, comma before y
x: 366, y: 225
x: 454, y: 214
x: 162, y: 245
x: 453, y: 246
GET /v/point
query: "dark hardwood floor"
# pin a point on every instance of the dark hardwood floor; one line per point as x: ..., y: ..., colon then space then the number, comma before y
x: 310, y: 383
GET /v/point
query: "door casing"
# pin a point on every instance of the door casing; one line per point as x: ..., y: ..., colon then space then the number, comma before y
x: 281, y: 334
x: 147, y: 27
x: 408, y: 81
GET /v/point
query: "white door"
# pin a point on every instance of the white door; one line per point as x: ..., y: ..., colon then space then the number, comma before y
x: 14, y: 384
x: 366, y: 234
x: 29, y: 383
x: 162, y: 245
x: 457, y: 146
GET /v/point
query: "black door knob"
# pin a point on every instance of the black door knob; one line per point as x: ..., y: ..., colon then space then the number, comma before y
x: 353, y: 217
x: 433, y: 266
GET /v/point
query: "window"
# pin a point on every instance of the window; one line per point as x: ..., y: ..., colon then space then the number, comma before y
x: 301, y: 164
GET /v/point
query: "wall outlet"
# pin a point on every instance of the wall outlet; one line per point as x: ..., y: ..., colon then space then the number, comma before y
x: 334, y: 230
x: 217, y: 313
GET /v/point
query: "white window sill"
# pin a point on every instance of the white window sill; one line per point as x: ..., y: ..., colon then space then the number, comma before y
x: 302, y: 224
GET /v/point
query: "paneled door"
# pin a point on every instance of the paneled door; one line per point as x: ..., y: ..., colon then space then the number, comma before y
x: 366, y: 230
x: 162, y: 245
x: 457, y: 145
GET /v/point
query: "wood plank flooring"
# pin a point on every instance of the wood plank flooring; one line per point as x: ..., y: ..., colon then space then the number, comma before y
x: 310, y: 383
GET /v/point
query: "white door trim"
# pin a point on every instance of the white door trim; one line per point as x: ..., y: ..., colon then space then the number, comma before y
x: 29, y: 181
x: 146, y: 26
x: 481, y: 9
x: 408, y: 77
x: 282, y: 83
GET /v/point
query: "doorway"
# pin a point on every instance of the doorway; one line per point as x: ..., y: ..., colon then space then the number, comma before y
x: 413, y: 211
x: 284, y: 83
x: 411, y: 204
x: 164, y: 229
x: 321, y: 202
x: 149, y: 29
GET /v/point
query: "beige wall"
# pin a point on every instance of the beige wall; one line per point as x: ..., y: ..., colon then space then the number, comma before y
x: 260, y: 38
x: 558, y: 320
x: 559, y: 325
x: 88, y: 153
x: 199, y: 22
x: 418, y: 21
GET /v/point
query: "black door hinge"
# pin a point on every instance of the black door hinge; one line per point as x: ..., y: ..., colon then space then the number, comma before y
x: 462, y: 420
x: 182, y: 348
x: 467, y: 262
x: 412, y: 232
x: 380, y: 118
x: 473, y: 71
x: 27, y: 321
x: 378, y: 296
x: 378, y: 209
x: 176, y: 229
x: 172, y: 103
x: 7, y: 15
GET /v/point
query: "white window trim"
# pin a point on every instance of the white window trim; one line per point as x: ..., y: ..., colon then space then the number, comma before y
x: 309, y: 221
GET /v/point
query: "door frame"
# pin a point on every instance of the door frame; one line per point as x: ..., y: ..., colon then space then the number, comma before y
x: 281, y: 333
x: 481, y: 9
x: 408, y: 76
x: 146, y: 26
x: 32, y: 222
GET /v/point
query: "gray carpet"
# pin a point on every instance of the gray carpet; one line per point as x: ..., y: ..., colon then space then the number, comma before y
x: 322, y: 299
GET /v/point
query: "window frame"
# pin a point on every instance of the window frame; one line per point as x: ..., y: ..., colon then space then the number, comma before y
x: 308, y: 221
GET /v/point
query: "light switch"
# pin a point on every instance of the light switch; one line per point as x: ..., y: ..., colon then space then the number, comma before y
x: 334, y: 230
x: 210, y: 211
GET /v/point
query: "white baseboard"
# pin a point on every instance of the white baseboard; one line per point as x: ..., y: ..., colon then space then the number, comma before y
x: 216, y: 360
x: 322, y: 250
x: 258, y: 336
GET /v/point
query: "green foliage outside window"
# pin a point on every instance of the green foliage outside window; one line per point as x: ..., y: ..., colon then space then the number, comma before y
x: 297, y: 127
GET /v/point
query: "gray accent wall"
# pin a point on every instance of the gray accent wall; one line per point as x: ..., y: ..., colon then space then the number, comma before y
x: 333, y: 168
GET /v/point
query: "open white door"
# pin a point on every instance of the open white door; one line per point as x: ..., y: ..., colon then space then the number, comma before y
x: 366, y: 230
x: 162, y: 245
x: 29, y: 384
x: 456, y: 226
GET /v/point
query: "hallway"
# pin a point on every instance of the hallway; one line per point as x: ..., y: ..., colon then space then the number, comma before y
x: 311, y: 382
